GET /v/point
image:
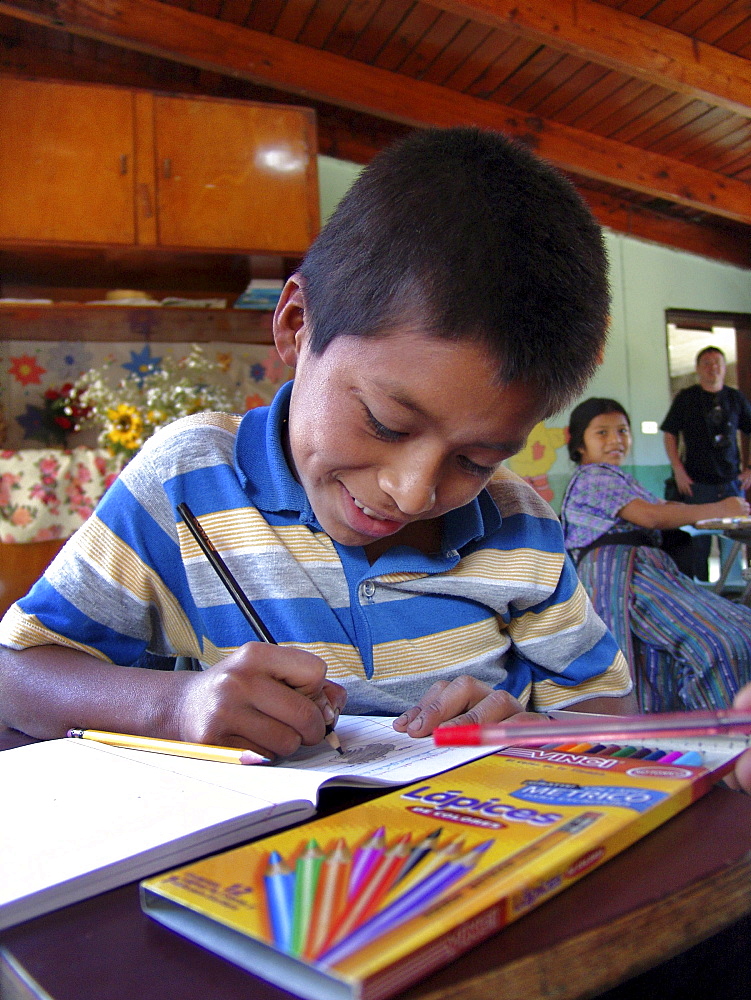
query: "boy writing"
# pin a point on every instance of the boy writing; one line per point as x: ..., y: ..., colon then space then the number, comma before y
x: 457, y: 297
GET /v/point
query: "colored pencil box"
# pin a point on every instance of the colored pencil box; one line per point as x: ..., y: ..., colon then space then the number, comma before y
x: 365, y: 902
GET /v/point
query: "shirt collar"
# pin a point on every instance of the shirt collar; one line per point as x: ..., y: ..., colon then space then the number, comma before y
x: 471, y: 523
x: 260, y: 462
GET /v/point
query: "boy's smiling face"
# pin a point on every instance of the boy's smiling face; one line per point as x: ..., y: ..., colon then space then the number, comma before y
x: 391, y: 431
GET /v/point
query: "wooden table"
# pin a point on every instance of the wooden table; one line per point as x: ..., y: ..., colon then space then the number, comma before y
x: 681, y: 884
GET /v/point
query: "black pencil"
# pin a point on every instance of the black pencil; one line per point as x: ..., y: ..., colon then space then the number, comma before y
x: 238, y: 595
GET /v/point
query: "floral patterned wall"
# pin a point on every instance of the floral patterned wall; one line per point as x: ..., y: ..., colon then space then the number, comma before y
x: 50, y: 479
x: 250, y: 374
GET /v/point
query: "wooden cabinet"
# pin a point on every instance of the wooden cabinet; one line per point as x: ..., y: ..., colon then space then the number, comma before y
x: 91, y: 165
x: 66, y: 161
x: 225, y: 167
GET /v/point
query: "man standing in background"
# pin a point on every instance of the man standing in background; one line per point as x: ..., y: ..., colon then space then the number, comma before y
x: 702, y: 425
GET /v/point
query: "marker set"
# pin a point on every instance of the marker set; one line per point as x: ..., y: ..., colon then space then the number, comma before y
x: 328, y: 905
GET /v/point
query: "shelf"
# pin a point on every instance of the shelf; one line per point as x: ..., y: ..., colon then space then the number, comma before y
x: 157, y: 324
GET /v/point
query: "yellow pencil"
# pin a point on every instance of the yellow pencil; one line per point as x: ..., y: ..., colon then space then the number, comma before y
x: 201, y: 751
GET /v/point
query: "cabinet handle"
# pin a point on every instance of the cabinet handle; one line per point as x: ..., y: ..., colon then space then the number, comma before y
x: 145, y: 196
x: 124, y: 164
x: 167, y: 168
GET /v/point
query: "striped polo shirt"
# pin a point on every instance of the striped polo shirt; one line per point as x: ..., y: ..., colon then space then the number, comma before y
x: 499, y: 601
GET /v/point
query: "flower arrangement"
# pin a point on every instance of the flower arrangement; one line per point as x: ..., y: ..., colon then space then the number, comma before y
x: 150, y: 396
x: 61, y: 414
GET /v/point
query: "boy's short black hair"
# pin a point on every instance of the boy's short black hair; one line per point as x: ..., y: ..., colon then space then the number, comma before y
x: 466, y: 234
x: 583, y: 415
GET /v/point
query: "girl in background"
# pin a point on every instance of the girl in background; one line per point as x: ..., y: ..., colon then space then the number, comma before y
x: 687, y: 647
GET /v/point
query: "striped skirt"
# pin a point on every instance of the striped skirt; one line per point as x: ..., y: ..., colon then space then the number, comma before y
x: 687, y: 647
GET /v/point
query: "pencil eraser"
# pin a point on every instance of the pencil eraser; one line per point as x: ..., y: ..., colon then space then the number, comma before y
x: 249, y: 757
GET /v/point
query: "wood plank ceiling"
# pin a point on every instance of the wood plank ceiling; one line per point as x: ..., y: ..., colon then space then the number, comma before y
x: 645, y: 104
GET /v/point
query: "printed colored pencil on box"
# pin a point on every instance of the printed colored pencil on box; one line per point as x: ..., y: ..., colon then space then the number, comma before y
x: 443, y: 853
x: 365, y: 857
x: 331, y: 897
x: 279, y: 887
x: 424, y: 893
x: 311, y: 915
x: 418, y: 853
x: 307, y: 872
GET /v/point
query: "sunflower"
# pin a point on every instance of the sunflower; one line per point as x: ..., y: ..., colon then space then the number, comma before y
x: 126, y: 430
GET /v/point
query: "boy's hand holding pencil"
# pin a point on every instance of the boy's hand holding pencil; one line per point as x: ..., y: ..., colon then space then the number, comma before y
x: 277, y: 697
x: 262, y: 697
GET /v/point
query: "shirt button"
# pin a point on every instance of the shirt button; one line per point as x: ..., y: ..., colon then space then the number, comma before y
x: 368, y: 588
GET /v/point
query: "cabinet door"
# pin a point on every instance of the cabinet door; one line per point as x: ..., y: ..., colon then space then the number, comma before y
x: 66, y: 160
x: 235, y: 176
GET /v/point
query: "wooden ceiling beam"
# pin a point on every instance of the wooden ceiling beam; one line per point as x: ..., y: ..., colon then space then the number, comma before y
x: 179, y: 35
x: 631, y: 45
x: 732, y: 246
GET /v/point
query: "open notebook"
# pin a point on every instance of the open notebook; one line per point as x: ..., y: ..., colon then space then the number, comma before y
x: 80, y: 817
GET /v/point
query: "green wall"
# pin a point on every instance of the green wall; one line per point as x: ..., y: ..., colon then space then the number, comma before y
x: 646, y: 279
x: 334, y: 178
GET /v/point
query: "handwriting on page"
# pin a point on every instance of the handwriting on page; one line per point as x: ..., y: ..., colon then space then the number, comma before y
x: 373, y: 749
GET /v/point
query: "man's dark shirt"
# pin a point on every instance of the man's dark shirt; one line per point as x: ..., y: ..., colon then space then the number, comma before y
x: 709, y: 422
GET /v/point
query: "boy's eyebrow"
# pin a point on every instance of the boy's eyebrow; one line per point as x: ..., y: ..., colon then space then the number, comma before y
x: 512, y: 447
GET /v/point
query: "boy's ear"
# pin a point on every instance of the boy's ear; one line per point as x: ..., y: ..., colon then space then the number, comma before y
x: 289, y: 321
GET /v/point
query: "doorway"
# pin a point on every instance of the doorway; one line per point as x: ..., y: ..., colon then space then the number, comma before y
x: 688, y: 332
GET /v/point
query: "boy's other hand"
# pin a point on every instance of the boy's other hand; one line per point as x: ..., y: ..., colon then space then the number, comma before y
x: 266, y: 698
x: 464, y: 701
x: 740, y: 779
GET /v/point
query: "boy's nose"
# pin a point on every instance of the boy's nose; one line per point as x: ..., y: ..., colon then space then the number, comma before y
x: 412, y: 486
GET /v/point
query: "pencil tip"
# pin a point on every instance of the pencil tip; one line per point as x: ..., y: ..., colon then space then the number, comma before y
x: 333, y: 741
